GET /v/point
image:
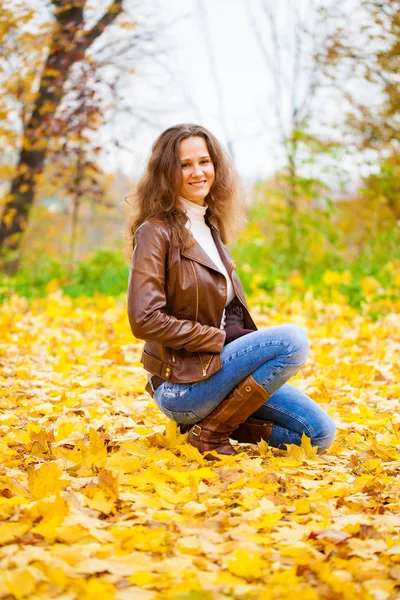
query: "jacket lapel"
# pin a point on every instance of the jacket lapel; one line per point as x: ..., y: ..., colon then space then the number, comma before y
x: 222, y: 249
x: 197, y: 253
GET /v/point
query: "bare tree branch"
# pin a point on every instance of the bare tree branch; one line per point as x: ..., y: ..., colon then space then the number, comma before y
x: 109, y: 16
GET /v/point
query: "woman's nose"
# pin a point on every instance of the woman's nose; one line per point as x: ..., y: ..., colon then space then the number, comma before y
x: 197, y: 170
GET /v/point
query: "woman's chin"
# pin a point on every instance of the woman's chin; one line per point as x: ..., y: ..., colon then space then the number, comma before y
x: 198, y: 198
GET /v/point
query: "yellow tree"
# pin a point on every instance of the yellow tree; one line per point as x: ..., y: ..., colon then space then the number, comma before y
x: 67, y: 43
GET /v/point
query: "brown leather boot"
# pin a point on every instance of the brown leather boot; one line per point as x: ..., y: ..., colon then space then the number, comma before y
x: 252, y: 431
x: 213, y: 432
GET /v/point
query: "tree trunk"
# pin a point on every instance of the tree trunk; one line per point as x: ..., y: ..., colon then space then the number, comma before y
x: 20, y: 199
x: 68, y: 45
x: 75, y: 213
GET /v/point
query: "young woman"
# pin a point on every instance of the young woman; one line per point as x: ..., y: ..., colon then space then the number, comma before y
x: 210, y: 369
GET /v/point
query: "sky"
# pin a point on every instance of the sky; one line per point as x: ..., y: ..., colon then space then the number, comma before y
x: 214, y: 62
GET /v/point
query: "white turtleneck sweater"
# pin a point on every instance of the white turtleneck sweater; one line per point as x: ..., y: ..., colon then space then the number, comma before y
x: 202, y: 234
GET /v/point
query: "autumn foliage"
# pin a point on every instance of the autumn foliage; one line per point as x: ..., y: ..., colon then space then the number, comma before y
x: 100, y: 496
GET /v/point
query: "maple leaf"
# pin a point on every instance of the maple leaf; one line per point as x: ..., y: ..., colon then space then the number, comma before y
x: 246, y: 564
x: 304, y: 450
x: 309, y: 450
x: 121, y: 462
x: 20, y: 583
x: 263, y: 448
x: 46, y: 480
x: 97, y: 453
x: 172, y: 437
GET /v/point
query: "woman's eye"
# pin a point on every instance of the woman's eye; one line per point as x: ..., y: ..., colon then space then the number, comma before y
x: 205, y: 161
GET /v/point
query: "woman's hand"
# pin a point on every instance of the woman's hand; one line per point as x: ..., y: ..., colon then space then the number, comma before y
x: 233, y: 332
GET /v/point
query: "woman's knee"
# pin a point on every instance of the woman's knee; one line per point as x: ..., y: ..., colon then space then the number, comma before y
x: 297, y: 342
x: 325, y: 435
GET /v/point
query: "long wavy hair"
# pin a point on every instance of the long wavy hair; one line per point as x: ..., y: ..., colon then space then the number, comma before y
x: 157, y: 190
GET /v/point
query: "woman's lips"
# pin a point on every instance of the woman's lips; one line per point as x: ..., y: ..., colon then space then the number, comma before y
x: 198, y: 184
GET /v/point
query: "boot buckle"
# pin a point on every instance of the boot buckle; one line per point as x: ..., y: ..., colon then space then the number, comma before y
x: 194, y: 431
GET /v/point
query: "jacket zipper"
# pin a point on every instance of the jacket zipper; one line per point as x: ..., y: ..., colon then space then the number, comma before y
x: 197, y: 290
x: 204, y: 368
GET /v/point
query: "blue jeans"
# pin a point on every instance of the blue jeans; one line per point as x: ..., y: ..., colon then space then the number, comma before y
x: 271, y: 355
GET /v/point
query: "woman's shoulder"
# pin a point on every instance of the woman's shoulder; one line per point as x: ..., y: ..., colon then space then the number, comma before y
x: 154, y: 224
x: 152, y: 232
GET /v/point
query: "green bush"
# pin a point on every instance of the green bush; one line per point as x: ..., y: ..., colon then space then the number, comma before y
x: 32, y: 281
x: 106, y: 272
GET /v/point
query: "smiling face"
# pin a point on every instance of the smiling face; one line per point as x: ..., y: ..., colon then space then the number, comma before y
x: 197, y: 170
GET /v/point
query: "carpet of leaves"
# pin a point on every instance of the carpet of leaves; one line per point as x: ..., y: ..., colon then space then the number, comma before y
x: 101, y: 498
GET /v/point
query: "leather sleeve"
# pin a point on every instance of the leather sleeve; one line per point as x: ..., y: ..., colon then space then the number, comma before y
x: 147, y: 299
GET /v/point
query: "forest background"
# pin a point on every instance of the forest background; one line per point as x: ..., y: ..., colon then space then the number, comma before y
x: 79, y: 109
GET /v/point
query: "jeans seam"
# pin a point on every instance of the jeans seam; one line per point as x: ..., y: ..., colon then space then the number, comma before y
x: 261, y: 345
x: 277, y: 370
x: 295, y: 417
x: 276, y: 426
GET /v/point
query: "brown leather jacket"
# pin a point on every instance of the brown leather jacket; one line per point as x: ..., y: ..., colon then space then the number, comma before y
x: 176, y: 301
